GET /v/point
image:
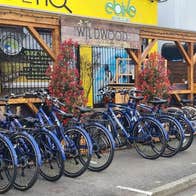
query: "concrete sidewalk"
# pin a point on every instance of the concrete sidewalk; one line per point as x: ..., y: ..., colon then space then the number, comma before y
x: 128, y: 175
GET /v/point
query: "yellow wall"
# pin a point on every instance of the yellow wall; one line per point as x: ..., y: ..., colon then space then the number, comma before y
x: 140, y: 11
x: 86, y: 72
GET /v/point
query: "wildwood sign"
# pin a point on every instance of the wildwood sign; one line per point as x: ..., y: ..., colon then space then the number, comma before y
x: 99, y: 33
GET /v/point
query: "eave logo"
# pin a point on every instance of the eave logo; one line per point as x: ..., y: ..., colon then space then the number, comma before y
x: 121, y: 9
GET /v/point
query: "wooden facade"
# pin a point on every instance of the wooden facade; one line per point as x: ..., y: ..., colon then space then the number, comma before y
x: 178, y: 36
x: 33, y: 20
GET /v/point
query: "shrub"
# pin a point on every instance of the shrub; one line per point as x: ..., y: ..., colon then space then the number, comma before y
x: 154, y: 78
x: 65, y: 82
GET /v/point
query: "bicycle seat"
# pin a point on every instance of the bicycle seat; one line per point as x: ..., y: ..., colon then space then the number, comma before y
x: 137, y: 98
x: 185, y: 101
x: 84, y: 109
x: 30, y: 120
x: 3, y: 99
x: 158, y: 101
x: 4, y: 131
x: 66, y: 115
x: 11, y: 115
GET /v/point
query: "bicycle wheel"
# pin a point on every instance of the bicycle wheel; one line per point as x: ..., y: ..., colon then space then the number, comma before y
x: 184, y: 118
x: 8, y: 164
x: 190, y: 112
x: 104, y: 119
x: 77, y: 146
x: 123, y: 117
x: 174, y: 110
x: 52, y: 155
x: 175, y: 134
x: 29, y: 160
x: 103, y: 147
x: 149, y: 138
x: 188, y: 132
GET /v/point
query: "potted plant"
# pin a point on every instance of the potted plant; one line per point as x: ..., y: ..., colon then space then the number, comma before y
x: 65, y: 82
x: 153, y: 78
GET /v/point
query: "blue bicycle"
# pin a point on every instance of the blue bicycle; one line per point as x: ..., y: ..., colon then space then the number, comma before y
x: 101, y: 138
x: 75, y: 141
x: 49, y: 152
x: 146, y: 133
x: 8, y: 162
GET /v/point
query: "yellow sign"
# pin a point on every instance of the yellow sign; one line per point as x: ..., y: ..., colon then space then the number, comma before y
x: 121, y: 10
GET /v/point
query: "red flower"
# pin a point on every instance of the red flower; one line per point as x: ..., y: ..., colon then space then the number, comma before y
x: 153, y: 78
x: 64, y: 82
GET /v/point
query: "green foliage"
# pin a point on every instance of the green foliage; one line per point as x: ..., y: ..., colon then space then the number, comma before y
x: 154, y: 78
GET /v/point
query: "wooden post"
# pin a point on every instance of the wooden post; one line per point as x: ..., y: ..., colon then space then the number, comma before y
x: 191, y: 69
x: 188, y: 56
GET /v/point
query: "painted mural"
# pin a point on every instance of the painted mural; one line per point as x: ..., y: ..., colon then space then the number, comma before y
x: 104, y: 68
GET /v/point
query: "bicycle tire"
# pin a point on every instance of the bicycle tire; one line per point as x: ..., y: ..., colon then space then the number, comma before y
x: 184, y: 118
x: 190, y: 112
x: 29, y: 159
x: 8, y: 164
x: 150, y: 138
x: 103, y: 146
x: 78, y: 151
x: 188, y: 132
x: 175, y: 134
x: 106, y: 120
x: 52, y: 154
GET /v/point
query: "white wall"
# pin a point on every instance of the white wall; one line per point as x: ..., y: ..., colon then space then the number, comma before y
x: 180, y: 14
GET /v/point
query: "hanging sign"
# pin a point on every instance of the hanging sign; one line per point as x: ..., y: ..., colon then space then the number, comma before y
x: 99, y: 33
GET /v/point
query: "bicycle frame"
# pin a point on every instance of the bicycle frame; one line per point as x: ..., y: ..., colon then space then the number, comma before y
x: 135, y: 118
x: 53, y: 120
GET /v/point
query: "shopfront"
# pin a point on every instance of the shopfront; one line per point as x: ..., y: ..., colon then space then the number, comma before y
x: 103, y: 45
x: 112, y: 46
x: 30, y: 37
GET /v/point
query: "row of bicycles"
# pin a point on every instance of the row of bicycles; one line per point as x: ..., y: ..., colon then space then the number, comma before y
x: 154, y: 129
x: 42, y: 144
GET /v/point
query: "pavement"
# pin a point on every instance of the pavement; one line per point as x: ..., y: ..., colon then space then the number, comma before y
x: 128, y: 175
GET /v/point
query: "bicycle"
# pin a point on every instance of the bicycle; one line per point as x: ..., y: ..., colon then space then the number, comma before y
x: 50, y: 151
x: 146, y: 133
x: 28, y: 156
x: 75, y: 141
x: 8, y: 162
x: 171, y: 124
x: 102, y: 140
x: 186, y: 118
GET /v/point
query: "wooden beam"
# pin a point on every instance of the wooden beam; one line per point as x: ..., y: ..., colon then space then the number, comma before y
x: 21, y: 23
x: 56, y: 41
x: 194, y: 59
x: 32, y: 107
x: 138, y: 65
x: 183, y: 52
x: 147, y: 50
x: 177, y: 97
x: 28, y: 101
x: 133, y: 56
x: 41, y: 42
x: 180, y: 92
x: 12, y: 15
x: 22, y: 101
x: 191, y: 69
x: 162, y: 33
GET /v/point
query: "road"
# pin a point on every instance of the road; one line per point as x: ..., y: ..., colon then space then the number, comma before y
x: 128, y: 175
